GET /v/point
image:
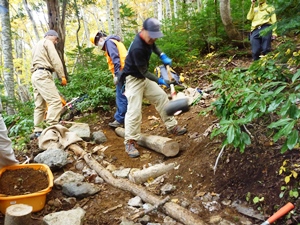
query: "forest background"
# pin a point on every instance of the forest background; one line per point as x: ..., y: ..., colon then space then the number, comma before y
x: 193, y: 30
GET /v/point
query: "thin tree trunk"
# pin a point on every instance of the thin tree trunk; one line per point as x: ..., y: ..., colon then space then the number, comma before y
x: 230, y: 29
x: 8, y: 66
x: 159, y: 10
x: 110, y: 28
x: 117, y: 20
x: 168, y: 9
x: 37, y: 36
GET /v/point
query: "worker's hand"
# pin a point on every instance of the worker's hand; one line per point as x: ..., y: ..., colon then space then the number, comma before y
x: 273, y: 37
x: 63, y: 81
x: 165, y: 59
x: 162, y: 81
x: 116, y: 80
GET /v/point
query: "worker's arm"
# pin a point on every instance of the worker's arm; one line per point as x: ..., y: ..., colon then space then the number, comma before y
x: 54, y: 59
x: 250, y: 14
x: 113, y: 52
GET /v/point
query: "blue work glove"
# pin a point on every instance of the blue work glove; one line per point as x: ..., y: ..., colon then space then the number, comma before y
x: 165, y: 59
x: 161, y: 81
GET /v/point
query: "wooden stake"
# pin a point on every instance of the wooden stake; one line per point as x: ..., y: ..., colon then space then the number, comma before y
x: 18, y: 214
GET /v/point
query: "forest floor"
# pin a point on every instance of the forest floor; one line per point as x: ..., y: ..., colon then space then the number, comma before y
x: 255, y: 173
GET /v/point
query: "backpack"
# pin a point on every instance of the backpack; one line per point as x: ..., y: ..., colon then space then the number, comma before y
x: 161, y: 71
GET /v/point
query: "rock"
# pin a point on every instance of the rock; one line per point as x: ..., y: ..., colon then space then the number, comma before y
x: 74, y: 217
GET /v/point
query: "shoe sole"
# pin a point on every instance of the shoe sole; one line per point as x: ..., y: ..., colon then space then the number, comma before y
x: 115, y: 126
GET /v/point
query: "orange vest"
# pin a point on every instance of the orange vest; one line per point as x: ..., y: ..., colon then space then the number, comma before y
x: 122, y: 54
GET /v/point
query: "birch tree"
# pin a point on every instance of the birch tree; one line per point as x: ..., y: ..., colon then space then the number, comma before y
x: 108, y: 16
x: 117, y: 20
x: 8, y: 66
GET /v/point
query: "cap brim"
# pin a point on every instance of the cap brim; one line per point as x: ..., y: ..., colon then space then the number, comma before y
x: 157, y: 34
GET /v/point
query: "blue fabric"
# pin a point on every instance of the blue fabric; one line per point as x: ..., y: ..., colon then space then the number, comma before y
x: 261, y: 45
x: 121, y: 102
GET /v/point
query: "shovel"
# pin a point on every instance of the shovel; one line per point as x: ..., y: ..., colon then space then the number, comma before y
x: 175, y: 106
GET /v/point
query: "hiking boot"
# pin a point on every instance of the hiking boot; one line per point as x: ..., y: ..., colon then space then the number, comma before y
x: 115, y: 124
x: 131, y: 150
x: 35, y: 135
x: 177, y: 130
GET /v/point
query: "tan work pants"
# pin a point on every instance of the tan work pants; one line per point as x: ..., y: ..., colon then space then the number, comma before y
x: 45, y: 92
x: 136, y: 89
x: 7, y: 156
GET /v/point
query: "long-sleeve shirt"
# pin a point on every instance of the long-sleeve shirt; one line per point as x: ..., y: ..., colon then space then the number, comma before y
x: 44, y: 55
x: 262, y: 14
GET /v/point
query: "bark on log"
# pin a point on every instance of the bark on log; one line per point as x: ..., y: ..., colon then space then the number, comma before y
x: 172, y: 209
x: 140, y: 176
x: 18, y: 214
x: 163, y: 145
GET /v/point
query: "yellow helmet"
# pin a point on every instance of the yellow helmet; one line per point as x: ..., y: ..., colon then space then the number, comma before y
x: 92, y: 39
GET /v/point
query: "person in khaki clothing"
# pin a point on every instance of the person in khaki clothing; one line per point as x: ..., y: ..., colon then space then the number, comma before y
x: 7, y: 155
x: 45, y: 60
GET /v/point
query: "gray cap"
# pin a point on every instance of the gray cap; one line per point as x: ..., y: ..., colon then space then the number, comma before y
x: 51, y: 33
x: 152, y: 25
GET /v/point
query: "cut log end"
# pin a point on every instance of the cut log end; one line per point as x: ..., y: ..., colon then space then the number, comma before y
x: 18, y: 214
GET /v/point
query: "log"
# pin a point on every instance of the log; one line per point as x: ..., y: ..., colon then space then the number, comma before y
x: 18, y: 214
x: 163, y: 145
x: 140, y: 176
x: 170, y: 208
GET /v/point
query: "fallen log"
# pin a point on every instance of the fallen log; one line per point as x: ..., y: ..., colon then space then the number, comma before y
x: 163, y: 145
x: 18, y: 214
x: 170, y: 208
x: 140, y: 176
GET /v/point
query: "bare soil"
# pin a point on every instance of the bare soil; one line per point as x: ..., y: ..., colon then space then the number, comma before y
x: 255, y: 173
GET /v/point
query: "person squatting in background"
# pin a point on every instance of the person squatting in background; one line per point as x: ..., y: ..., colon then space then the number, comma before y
x: 46, y: 60
x: 262, y: 17
x: 142, y: 83
x: 115, y: 53
x: 7, y: 155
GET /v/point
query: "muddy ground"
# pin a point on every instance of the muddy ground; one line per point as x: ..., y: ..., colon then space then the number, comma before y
x: 255, y: 173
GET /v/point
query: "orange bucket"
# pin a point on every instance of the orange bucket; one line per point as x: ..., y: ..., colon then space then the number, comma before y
x: 37, y: 199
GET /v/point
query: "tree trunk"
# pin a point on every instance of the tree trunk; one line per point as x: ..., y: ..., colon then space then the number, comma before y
x: 230, y: 29
x: 56, y: 21
x: 168, y: 9
x: 8, y: 66
x: 37, y: 36
x: 117, y: 20
x: 110, y: 29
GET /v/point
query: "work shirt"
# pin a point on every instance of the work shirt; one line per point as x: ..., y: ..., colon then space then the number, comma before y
x: 138, y: 56
x: 260, y: 15
x: 44, y: 55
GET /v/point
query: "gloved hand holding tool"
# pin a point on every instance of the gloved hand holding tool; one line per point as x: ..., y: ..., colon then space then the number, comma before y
x: 63, y: 81
x: 165, y: 59
x: 175, y: 106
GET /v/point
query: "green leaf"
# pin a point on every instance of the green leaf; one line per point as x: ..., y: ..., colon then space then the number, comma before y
x: 262, y: 106
x: 278, y: 90
x: 279, y: 123
x: 296, y: 76
x: 245, y: 138
x: 230, y: 134
x: 284, y: 148
x: 273, y: 105
x: 252, y: 105
x: 284, y: 131
x: 292, y: 139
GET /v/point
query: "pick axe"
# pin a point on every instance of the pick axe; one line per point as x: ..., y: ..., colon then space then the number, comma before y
x: 175, y: 106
